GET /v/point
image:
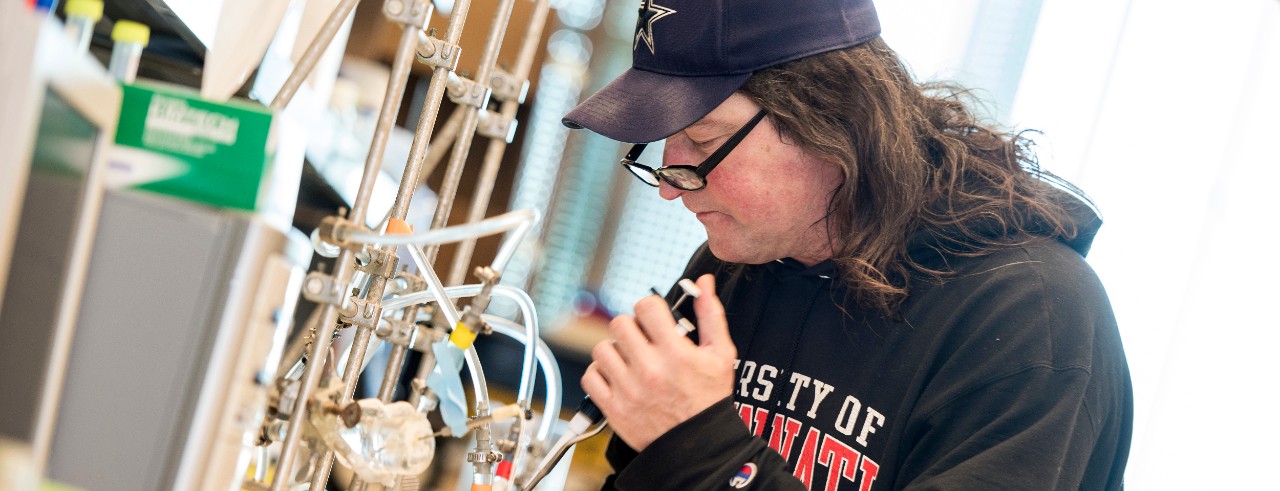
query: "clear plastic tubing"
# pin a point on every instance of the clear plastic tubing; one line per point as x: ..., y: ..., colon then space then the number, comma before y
x: 550, y: 370
x: 521, y: 299
x: 129, y: 38
x: 521, y: 220
x: 81, y: 16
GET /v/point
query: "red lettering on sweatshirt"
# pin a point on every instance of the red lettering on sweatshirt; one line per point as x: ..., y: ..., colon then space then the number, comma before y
x: 762, y: 415
x: 804, y: 467
x: 753, y: 417
x: 841, y: 461
x: 744, y: 412
x: 869, y: 470
x: 783, y: 434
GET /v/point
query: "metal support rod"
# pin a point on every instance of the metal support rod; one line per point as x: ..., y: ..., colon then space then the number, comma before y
x: 355, y: 360
x: 462, y: 146
x: 425, y: 366
x: 345, y: 265
x: 386, y: 118
x: 427, y: 119
x: 497, y: 146
x: 395, y: 362
x: 448, y: 190
x: 373, y: 164
x: 313, y: 53
x: 311, y: 377
x: 479, y: 207
x: 350, y: 374
x: 452, y: 177
x: 417, y: 150
x: 441, y: 143
x: 408, y: 182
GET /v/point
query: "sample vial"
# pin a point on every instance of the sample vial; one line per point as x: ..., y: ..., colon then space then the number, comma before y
x: 129, y: 37
x: 81, y: 16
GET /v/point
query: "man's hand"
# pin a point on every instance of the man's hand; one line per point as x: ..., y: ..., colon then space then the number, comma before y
x: 650, y: 378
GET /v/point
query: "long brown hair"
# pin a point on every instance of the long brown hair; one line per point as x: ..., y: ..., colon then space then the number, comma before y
x: 915, y: 160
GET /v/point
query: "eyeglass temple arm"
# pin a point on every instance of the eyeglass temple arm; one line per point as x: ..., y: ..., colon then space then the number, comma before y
x: 732, y: 143
x: 634, y: 153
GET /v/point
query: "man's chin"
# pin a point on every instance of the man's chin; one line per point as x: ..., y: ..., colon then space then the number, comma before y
x: 734, y: 255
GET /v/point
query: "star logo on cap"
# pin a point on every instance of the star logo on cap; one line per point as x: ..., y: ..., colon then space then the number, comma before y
x: 649, y: 13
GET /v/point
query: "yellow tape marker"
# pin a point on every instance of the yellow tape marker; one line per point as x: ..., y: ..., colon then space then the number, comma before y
x: 462, y: 336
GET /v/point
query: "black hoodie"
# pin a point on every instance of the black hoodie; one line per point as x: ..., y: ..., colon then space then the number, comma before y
x: 1009, y: 374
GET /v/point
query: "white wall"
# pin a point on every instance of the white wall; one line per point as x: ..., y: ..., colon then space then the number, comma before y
x: 1174, y: 138
x: 1167, y: 113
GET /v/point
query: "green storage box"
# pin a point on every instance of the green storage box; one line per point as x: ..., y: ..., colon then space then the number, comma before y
x: 170, y: 141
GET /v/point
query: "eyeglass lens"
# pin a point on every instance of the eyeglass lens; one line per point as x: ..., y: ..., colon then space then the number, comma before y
x: 681, y: 177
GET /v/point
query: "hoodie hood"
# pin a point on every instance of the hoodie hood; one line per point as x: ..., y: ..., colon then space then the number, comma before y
x: 927, y: 246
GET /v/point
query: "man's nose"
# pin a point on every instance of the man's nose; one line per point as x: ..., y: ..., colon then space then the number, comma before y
x: 667, y: 191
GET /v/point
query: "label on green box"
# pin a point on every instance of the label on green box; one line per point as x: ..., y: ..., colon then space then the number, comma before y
x: 171, y: 141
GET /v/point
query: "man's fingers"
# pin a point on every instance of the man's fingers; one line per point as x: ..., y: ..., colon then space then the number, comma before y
x: 713, y: 328
x: 596, y: 385
x: 654, y: 316
x: 629, y: 340
x: 608, y: 359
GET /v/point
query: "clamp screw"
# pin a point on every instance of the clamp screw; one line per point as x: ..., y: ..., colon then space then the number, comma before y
x: 350, y: 413
x: 315, y: 286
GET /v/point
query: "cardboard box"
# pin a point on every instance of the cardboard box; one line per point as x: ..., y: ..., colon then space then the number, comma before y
x: 170, y: 141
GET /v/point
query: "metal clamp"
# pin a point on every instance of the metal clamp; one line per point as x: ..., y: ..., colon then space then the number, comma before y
x: 412, y: 282
x: 381, y: 263
x: 288, y: 396
x: 422, y: 397
x: 413, y: 13
x: 493, y: 125
x: 425, y: 336
x: 506, y: 88
x: 321, y: 288
x: 488, y: 278
x: 464, y: 91
x: 437, y: 53
x: 397, y: 332
x: 365, y: 313
x: 335, y: 229
x: 488, y: 457
x: 472, y: 324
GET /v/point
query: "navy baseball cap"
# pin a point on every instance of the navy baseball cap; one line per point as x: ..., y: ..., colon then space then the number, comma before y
x: 688, y: 56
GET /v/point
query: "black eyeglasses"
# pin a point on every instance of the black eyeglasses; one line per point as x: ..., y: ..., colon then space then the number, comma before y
x: 686, y: 177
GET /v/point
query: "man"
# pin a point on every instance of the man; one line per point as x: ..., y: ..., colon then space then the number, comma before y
x: 894, y: 295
